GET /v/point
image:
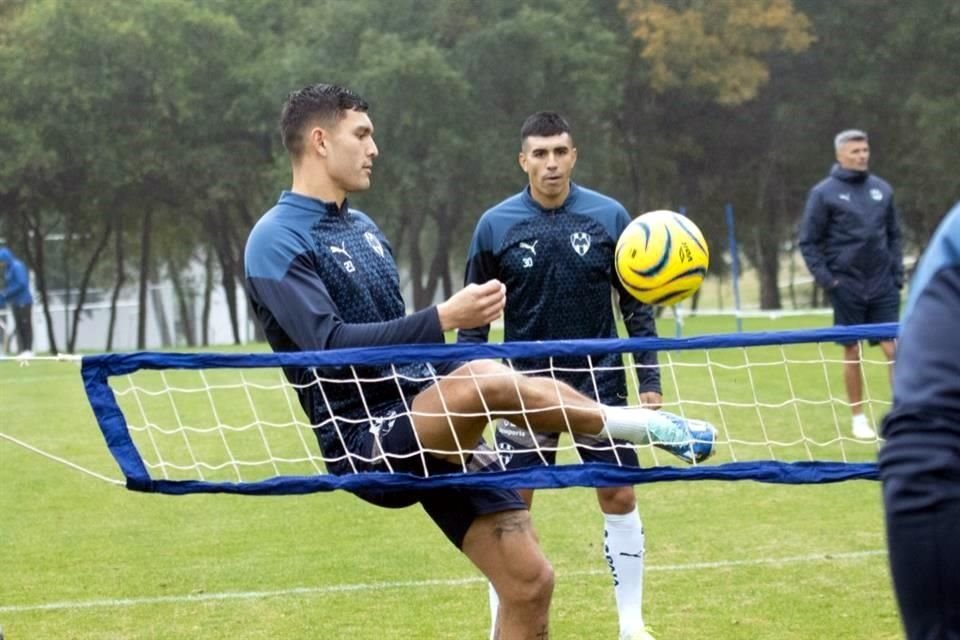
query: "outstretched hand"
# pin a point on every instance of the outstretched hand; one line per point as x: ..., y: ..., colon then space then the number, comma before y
x: 473, y: 306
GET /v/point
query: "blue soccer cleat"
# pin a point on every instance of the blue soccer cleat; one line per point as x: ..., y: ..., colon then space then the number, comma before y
x: 690, y: 440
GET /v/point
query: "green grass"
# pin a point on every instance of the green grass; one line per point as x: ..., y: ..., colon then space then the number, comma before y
x: 82, y: 558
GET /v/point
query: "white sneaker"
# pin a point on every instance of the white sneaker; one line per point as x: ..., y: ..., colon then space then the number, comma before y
x: 862, y: 429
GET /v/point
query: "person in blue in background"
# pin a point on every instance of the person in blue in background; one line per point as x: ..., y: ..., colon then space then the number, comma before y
x: 16, y: 293
x: 850, y: 239
x: 920, y: 460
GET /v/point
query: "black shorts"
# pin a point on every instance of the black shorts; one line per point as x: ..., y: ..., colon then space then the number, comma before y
x: 519, y: 447
x: 850, y: 308
x: 390, y: 444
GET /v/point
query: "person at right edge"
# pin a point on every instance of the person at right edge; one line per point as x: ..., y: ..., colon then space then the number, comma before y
x: 851, y: 240
x: 920, y: 458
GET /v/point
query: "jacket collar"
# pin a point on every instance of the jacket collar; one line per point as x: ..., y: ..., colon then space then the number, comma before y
x: 314, y: 204
x: 533, y: 204
x: 848, y: 175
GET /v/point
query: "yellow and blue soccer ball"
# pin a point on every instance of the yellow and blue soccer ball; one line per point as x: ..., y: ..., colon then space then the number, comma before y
x: 661, y: 257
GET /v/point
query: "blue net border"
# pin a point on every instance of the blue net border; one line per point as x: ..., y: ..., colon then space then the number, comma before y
x: 567, y: 475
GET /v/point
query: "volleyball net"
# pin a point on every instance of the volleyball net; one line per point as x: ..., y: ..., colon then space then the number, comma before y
x: 216, y: 422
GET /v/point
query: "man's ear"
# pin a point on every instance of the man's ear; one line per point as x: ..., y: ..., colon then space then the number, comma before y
x: 522, y: 159
x: 319, y: 140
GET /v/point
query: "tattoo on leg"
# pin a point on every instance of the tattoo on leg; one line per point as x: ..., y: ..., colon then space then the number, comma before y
x: 511, y: 523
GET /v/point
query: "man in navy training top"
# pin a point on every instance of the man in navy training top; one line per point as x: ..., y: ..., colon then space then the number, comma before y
x: 851, y: 241
x: 320, y: 275
x: 15, y: 291
x: 553, y: 245
x: 920, y: 460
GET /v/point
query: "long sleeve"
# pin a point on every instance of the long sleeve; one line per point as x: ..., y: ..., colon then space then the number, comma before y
x: 481, y: 267
x: 813, y: 229
x: 641, y: 323
x: 301, y: 305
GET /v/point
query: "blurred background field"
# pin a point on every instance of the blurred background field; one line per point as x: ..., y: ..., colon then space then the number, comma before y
x: 83, y: 558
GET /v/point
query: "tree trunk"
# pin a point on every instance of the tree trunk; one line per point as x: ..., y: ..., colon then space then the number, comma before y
x: 230, y: 256
x: 121, y: 277
x: 160, y: 312
x: 67, y: 283
x: 40, y: 269
x: 416, y: 268
x: 145, y: 233
x: 767, y: 271
x: 85, y: 285
x: 207, y: 296
x: 184, y: 304
x: 767, y: 259
x: 228, y: 264
x: 628, y: 124
x: 442, y: 260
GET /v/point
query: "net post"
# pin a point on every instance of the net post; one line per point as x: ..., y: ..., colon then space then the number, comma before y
x: 734, y: 263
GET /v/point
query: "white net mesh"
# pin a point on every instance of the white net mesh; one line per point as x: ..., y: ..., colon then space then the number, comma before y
x: 779, y: 403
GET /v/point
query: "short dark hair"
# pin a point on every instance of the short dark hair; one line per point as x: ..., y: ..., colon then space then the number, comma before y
x: 319, y: 102
x: 544, y: 123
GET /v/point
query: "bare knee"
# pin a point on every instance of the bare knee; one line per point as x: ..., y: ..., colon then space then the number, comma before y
x: 529, y: 589
x: 496, y: 382
x: 851, y: 353
x: 505, y: 547
x: 617, y: 500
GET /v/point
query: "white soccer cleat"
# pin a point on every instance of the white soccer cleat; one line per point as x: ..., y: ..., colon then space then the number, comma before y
x: 643, y: 634
x: 862, y: 429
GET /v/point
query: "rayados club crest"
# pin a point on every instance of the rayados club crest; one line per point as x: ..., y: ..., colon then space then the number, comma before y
x: 580, y: 241
x: 374, y: 243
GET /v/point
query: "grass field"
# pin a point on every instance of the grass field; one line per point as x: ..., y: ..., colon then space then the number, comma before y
x: 83, y: 558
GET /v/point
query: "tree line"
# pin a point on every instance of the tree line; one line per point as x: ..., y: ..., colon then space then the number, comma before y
x: 144, y: 135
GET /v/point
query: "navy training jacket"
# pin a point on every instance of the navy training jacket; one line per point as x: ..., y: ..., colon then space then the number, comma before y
x: 558, y: 265
x: 850, y: 233
x: 323, y: 277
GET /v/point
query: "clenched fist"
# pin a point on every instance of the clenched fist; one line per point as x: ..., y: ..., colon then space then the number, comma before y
x: 473, y: 306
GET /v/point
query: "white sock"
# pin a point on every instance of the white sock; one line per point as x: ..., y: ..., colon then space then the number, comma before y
x: 623, y: 547
x: 861, y: 418
x: 638, y: 425
x: 494, y: 607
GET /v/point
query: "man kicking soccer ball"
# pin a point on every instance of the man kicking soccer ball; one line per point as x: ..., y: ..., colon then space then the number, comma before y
x: 321, y: 275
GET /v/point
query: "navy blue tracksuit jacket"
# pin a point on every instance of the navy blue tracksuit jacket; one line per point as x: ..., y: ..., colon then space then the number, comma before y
x: 850, y: 233
x: 559, y: 269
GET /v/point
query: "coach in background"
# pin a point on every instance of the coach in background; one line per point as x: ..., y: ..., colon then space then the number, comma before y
x: 15, y: 291
x: 920, y: 461
x: 851, y: 241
